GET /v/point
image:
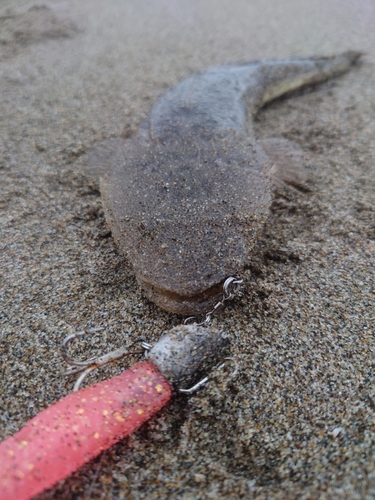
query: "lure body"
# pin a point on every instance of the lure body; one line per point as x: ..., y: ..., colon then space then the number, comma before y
x: 187, y: 196
x: 77, y: 428
x: 80, y: 426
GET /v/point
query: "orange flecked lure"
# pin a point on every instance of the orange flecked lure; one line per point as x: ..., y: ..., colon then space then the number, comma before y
x: 80, y: 426
x: 77, y: 428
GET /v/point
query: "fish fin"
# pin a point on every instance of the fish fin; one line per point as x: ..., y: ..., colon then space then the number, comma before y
x: 287, y: 164
x: 102, y: 156
x: 283, y: 77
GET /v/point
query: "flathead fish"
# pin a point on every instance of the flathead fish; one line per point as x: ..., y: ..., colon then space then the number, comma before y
x: 187, y: 196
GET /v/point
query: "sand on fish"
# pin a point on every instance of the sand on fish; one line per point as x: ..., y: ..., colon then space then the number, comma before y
x: 299, y: 419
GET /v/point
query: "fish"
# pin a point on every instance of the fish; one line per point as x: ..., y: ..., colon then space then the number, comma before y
x: 187, y: 196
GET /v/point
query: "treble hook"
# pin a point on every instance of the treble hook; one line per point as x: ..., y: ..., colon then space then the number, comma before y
x: 204, y: 380
x: 95, y: 362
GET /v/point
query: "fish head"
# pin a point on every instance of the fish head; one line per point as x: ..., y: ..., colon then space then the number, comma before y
x: 186, y: 212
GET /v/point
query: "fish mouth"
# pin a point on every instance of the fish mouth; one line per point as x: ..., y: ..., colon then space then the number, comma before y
x: 174, y: 302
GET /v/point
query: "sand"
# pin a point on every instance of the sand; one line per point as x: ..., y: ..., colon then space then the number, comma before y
x: 298, y: 421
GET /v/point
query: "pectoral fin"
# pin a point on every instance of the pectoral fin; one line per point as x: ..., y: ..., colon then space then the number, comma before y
x: 287, y: 163
x: 103, y: 156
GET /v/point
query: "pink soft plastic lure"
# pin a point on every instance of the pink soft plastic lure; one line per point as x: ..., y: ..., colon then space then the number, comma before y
x: 81, y: 425
x: 77, y: 428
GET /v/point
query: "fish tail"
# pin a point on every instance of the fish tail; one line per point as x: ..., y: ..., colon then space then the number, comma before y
x: 283, y: 77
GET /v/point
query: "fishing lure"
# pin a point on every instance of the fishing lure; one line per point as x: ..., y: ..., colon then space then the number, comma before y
x: 83, y: 424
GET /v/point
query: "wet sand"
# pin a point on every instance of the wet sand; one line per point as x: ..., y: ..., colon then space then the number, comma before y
x: 299, y: 419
